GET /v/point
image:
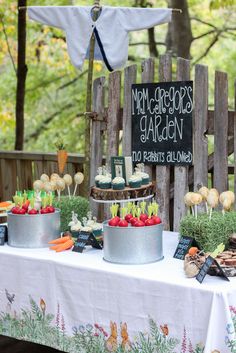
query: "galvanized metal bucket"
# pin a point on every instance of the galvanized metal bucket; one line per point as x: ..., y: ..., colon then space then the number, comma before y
x: 133, y: 245
x: 33, y: 231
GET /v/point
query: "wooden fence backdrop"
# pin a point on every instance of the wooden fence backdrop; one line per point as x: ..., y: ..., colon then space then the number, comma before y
x: 18, y: 170
x: 110, y: 119
x: 110, y: 122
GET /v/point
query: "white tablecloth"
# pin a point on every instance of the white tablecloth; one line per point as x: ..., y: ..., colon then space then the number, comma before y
x: 73, y: 301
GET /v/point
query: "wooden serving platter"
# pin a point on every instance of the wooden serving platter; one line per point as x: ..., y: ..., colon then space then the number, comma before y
x: 125, y: 194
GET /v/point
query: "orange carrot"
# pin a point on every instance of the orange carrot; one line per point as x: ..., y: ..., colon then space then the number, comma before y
x: 55, y: 247
x: 61, y: 160
x: 193, y: 251
x: 65, y: 246
x: 60, y: 240
x: 5, y: 204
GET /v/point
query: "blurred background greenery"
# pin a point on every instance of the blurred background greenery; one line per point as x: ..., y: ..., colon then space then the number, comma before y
x: 56, y: 91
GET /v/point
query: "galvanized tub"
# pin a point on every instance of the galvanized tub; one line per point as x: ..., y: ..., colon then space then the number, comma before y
x: 132, y: 245
x: 33, y: 231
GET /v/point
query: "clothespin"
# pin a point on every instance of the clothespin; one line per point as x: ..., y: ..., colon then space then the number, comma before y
x: 177, y: 10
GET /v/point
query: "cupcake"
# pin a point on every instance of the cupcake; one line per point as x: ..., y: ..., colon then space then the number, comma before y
x: 118, y: 183
x: 135, y: 181
x: 105, y: 182
x: 98, y: 178
x: 97, y: 229
x: 145, y: 178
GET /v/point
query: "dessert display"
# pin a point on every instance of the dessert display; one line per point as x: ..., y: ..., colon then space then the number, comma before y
x: 213, y: 230
x: 33, y: 221
x: 141, y: 240
x: 211, y: 219
x: 108, y: 188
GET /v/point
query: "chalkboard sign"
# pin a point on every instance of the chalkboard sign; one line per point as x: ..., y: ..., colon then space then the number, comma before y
x: 3, y: 234
x: 162, y: 123
x: 205, y: 268
x: 182, y: 248
x: 83, y: 239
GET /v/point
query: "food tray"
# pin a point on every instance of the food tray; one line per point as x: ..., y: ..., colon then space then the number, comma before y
x: 33, y: 231
x: 132, y: 245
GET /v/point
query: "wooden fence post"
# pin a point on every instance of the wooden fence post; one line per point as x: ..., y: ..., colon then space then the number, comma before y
x: 221, y: 132
x: 181, y: 172
x: 96, y: 135
x: 113, y: 114
x: 200, y: 146
x: 130, y: 75
x: 148, y: 76
x: 163, y: 172
x: 96, y: 139
x: 235, y: 138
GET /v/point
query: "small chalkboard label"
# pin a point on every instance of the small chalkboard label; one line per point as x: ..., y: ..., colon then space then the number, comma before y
x: 94, y: 242
x: 182, y: 248
x: 3, y: 234
x: 83, y: 239
x: 205, y: 268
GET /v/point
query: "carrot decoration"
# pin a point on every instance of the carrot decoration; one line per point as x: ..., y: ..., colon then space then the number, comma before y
x: 61, y: 160
x: 55, y: 247
x: 61, y: 155
x: 65, y: 246
x: 193, y: 251
x: 60, y: 240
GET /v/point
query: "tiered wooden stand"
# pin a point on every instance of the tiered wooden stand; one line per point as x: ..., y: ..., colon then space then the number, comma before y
x: 127, y: 194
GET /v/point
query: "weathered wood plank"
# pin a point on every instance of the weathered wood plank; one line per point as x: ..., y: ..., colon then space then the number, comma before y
x: 39, y: 156
x: 24, y: 174
x: 235, y: 139
x: 96, y: 139
x: 37, y: 169
x: 163, y: 172
x: 148, y: 72
x: 130, y: 76
x: 200, y: 143
x: 181, y: 172
x: 114, y: 88
x: 221, y: 132
x: 9, y: 178
x: 210, y: 122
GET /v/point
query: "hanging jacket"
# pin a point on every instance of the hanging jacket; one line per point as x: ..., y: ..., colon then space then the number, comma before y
x: 111, y: 29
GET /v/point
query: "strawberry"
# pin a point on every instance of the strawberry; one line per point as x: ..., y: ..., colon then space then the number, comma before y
x: 21, y: 211
x: 123, y: 223
x: 15, y: 210
x: 149, y: 222
x: 156, y: 219
x: 139, y: 223
x: 143, y: 217
x: 32, y: 211
x: 128, y: 217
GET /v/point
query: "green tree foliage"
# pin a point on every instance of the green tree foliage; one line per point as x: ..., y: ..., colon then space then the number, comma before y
x: 56, y: 91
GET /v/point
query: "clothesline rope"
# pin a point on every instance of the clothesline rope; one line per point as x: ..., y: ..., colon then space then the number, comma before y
x: 97, y: 5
